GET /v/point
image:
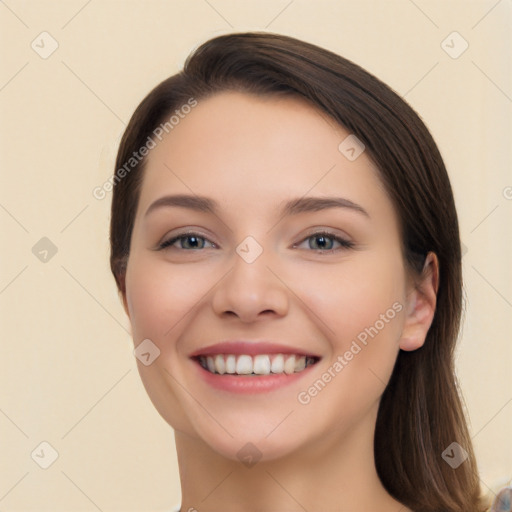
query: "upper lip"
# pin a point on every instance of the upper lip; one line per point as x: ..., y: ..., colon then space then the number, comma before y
x: 250, y: 348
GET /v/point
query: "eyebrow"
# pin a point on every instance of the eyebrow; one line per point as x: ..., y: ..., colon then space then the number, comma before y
x: 197, y: 203
x: 314, y: 204
x: 292, y: 207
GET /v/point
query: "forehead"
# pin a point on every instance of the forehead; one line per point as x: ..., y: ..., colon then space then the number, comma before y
x: 249, y: 150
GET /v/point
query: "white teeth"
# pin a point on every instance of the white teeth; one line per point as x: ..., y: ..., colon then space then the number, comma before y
x: 278, y: 364
x: 289, y: 365
x: 261, y: 364
x: 220, y: 364
x: 230, y: 364
x: 244, y: 365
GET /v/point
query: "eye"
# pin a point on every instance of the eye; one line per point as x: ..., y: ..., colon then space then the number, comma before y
x: 188, y: 241
x: 321, y: 241
x: 324, y: 241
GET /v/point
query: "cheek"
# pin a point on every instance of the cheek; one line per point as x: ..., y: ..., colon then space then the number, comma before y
x: 365, y: 290
x: 361, y: 306
x: 159, y: 298
x: 158, y: 302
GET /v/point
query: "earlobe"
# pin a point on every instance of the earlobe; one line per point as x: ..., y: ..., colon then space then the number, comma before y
x: 421, y: 306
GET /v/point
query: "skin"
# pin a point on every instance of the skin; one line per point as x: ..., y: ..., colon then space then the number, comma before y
x: 251, y: 154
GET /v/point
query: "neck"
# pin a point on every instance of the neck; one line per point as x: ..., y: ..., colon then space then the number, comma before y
x: 328, y: 474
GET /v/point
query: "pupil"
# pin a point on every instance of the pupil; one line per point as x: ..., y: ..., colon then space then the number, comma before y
x: 322, y: 240
x: 194, y: 241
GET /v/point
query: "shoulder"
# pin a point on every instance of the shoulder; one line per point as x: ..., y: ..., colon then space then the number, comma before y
x: 503, y: 501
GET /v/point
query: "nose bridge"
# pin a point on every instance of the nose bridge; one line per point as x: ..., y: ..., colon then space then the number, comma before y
x: 250, y: 263
x: 250, y: 288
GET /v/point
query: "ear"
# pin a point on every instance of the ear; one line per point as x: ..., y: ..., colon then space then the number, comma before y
x: 421, y: 305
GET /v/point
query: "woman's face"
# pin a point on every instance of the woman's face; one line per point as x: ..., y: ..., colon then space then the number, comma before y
x: 257, y: 267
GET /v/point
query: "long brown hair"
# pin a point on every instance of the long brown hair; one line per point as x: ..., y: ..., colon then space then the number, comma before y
x: 420, y: 413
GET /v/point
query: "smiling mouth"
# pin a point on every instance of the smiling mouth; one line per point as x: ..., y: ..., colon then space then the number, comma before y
x: 257, y: 365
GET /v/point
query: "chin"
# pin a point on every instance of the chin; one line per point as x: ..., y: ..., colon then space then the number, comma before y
x: 252, y: 451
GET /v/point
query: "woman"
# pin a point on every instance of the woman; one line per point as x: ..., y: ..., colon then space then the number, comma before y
x: 286, y: 245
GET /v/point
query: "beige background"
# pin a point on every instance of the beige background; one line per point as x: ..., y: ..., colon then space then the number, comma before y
x: 68, y: 376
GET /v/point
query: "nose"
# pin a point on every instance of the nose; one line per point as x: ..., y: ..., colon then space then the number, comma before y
x: 251, y: 291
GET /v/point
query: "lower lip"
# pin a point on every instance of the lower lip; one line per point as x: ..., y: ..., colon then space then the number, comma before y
x: 249, y: 384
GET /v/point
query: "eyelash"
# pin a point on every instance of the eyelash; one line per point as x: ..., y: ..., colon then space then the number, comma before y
x: 345, y: 244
